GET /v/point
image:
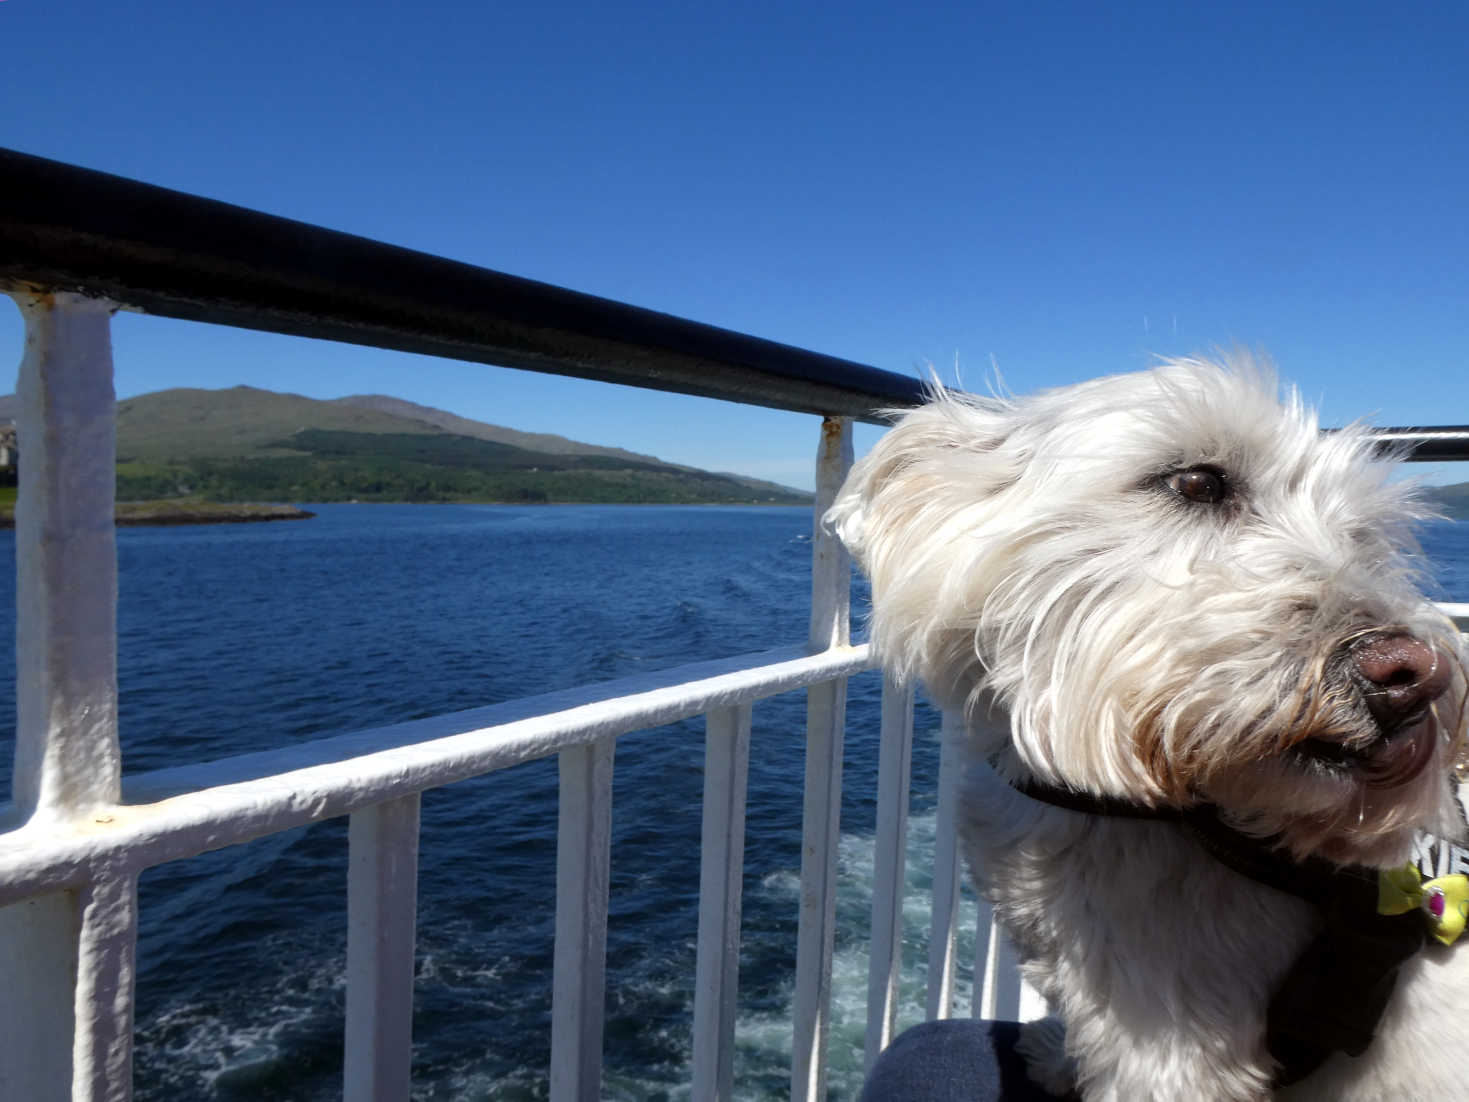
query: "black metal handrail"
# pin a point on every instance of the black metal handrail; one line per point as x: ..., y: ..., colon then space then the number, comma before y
x: 1428, y: 444
x: 165, y: 252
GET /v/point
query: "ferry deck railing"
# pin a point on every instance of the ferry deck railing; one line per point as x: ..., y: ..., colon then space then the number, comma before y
x: 77, y: 245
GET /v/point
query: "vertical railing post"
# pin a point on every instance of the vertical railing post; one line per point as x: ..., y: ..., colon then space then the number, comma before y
x: 894, y: 772
x: 106, y: 966
x: 38, y: 958
x: 945, y: 924
x: 997, y: 983
x: 583, y: 866
x: 65, y: 1007
x: 1000, y: 992
x: 826, y: 703
x: 998, y: 988
x: 721, y: 870
x: 831, y: 566
x: 66, y: 751
x: 382, y: 909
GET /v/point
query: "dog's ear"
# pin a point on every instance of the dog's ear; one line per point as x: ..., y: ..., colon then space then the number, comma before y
x: 908, y: 514
x: 952, y: 443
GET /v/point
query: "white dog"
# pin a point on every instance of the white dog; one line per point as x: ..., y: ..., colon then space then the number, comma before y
x: 1230, y: 707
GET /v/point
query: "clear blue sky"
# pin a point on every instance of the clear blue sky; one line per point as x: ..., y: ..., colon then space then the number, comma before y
x: 1067, y: 189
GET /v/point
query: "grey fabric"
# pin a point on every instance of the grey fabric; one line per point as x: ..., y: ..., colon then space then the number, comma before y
x: 959, y: 1060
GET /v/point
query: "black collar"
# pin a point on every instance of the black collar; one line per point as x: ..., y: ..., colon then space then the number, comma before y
x: 1261, y: 859
x: 1333, y: 996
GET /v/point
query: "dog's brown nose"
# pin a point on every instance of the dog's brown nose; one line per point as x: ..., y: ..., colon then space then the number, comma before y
x: 1398, y: 676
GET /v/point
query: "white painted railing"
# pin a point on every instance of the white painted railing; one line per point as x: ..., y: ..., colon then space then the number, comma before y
x: 77, y: 835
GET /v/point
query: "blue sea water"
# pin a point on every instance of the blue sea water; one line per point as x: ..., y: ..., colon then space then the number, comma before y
x: 244, y: 637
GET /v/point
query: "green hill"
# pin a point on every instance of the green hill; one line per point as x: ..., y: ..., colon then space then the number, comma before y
x: 463, y: 426
x: 187, y: 423
x: 247, y: 444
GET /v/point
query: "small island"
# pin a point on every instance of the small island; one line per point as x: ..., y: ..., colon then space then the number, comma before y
x: 183, y: 511
x: 180, y: 511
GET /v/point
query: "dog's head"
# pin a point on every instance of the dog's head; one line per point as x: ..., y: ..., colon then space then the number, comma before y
x: 1180, y: 589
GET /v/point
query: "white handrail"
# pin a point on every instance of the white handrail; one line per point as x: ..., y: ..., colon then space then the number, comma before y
x: 68, y: 870
x: 81, y: 834
x: 185, y: 810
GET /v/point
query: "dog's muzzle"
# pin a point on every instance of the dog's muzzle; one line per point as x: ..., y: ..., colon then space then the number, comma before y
x: 1399, y: 677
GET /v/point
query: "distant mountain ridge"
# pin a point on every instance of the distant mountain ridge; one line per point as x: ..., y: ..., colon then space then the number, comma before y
x: 247, y: 444
x: 483, y: 430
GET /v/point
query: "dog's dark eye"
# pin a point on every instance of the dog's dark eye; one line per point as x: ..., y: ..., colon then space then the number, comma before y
x: 1202, y: 484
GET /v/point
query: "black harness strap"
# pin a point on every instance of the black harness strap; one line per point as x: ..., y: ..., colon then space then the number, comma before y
x: 1334, y: 995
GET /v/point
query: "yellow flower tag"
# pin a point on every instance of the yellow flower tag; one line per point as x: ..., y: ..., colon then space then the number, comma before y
x: 1445, y: 899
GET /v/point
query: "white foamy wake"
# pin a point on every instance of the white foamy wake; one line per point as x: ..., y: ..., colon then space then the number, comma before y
x: 766, y: 1038
x: 763, y: 1040
x: 205, y: 1048
x: 191, y: 1051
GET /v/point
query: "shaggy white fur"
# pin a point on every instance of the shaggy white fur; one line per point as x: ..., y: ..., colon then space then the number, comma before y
x: 1183, y: 593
